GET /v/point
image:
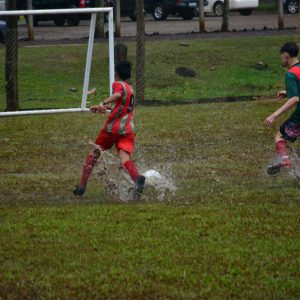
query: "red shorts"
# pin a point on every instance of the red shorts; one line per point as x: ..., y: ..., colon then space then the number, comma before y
x: 123, y: 142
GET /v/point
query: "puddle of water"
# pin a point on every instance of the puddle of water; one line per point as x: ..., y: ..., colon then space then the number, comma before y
x: 120, y: 187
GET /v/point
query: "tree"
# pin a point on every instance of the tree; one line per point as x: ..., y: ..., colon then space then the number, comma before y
x: 11, y: 59
x: 99, y: 30
x: 121, y: 52
x: 201, y: 16
x: 140, y: 51
x: 29, y: 21
x: 225, y: 26
x: 118, y: 17
x: 280, y: 14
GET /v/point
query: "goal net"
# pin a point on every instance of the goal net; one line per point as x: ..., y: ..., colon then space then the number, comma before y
x: 62, y: 70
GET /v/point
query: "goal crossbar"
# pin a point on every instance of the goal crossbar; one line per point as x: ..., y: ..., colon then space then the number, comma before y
x: 93, y: 12
x: 55, y: 11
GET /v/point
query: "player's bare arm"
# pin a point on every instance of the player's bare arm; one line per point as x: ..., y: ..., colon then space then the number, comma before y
x: 105, y: 104
x: 284, y: 108
x: 114, y: 97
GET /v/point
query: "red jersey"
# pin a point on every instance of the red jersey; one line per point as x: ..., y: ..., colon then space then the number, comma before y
x: 120, y: 120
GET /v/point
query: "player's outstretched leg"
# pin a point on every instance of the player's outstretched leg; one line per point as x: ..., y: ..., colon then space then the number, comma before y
x: 130, y: 167
x: 139, y: 180
x: 87, y: 169
x: 283, y: 153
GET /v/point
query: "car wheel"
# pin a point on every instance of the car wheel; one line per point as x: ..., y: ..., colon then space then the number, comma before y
x: 246, y: 12
x: 187, y: 14
x: 160, y: 11
x: 292, y: 6
x: 60, y: 21
x: 219, y: 9
x: 73, y: 21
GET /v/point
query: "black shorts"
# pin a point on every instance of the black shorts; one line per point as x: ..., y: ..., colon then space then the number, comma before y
x: 290, y: 129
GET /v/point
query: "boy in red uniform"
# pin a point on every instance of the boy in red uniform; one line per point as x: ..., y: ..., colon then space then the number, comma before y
x: 118, y: 129
x: 290, y: 129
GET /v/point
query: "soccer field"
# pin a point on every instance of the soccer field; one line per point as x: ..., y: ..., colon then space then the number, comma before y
x: 230, y: 231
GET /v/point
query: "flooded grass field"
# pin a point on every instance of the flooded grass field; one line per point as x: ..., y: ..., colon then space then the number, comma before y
x: 224, y: 230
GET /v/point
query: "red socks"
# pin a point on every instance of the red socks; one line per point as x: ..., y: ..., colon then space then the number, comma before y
x: 282, y: 150
x: 87, y: 169
x: 90, y: 162
x: 131, y: 169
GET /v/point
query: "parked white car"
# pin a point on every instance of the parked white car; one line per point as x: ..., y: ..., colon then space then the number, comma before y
x: 245, y: 7
x: 2, y: 5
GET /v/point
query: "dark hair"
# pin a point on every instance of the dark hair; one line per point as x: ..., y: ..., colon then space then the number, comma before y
x: 123, y: 69
x: 291, y: 48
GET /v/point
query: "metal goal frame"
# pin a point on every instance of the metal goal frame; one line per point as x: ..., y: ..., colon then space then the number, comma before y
x: 93, y: 12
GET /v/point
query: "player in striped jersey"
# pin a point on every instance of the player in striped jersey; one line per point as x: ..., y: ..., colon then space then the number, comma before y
x: 290, y: 129
x: 118, y: 130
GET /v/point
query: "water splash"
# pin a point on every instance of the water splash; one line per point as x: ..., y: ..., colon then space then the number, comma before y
x: 159, y: 183
x: 295, y: 162
x: 295, y: 159
x: 120, y: 186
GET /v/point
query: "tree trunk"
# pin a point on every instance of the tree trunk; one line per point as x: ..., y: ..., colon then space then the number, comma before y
x: 29, y: 21
x: 140, y: 51
x: 99, y: 30
x: 201, y: 16
x: 280, y: 14
x: 118, y: 18
x: 225, y: 26
x: 121, y: 51
x: 11, y: 59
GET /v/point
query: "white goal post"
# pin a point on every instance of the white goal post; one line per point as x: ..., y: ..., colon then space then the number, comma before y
x: 93, y: 12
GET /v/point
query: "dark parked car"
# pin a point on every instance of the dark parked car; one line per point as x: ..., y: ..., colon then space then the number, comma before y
x: 59, y: 20
x: 291, y: 6
x: 160, y: 9
x: 127, y: 8
x: 2, y: 31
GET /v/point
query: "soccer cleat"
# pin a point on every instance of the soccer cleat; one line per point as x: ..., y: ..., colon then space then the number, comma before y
x: 135, y: 193
x: 139, y: 183
x: 285, y: 164
x: 78, y: 190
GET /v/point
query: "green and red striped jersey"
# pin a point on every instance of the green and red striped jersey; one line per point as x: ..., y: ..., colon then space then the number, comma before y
x: 292, y: 81
x: 120, y: 120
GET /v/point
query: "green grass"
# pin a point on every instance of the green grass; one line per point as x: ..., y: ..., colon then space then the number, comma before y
x: 229, y: 232
x: 224, y: 68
